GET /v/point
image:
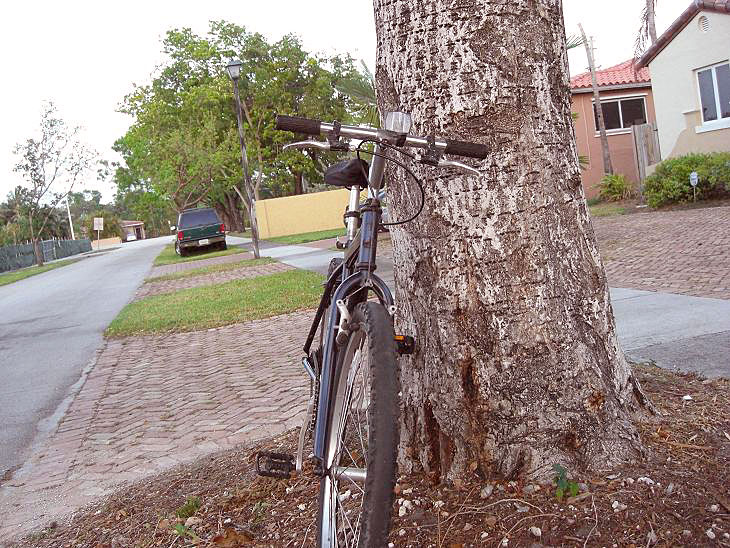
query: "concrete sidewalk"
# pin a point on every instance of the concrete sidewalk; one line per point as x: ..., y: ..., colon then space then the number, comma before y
x: 678, y: 332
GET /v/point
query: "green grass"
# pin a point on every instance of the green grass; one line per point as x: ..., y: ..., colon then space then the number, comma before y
x: 606, y: 210
x: 245, y: 234
x: 10, y: 277
x: 308, y: 237
x: 211, y: 269
x: 217, y: 305
x: 168, y: 255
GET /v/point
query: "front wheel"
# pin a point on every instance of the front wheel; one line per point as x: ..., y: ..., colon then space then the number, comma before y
x: 356, y: 492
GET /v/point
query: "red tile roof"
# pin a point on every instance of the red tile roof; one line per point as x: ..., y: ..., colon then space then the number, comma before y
x: 623, y: 74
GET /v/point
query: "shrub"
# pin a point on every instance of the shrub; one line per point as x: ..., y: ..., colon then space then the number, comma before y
x: 615, y: 187
x: 670, y: 182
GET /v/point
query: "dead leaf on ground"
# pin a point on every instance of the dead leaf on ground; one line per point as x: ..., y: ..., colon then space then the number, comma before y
x: 231, y: 538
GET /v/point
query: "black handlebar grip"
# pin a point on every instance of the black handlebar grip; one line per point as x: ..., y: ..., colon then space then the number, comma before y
x: 298, y: 125
x: 463, y: 148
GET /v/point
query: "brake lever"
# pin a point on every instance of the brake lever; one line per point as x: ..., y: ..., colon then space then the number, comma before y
x: 322, y: 145
x: 457, y: 165
x: 308, y: 144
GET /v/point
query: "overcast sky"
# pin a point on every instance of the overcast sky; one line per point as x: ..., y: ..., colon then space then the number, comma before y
x: 85, y: 55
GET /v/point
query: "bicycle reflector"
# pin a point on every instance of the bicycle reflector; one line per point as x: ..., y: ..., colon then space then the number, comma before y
x: 405, y: 344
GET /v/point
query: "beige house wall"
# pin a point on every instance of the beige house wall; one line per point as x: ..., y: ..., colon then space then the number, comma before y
x: 620, y: 142
x: 676, y: 93
x: 302, y: 213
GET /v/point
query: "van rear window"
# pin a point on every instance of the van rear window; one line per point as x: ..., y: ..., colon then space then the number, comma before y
x: 200, y: 217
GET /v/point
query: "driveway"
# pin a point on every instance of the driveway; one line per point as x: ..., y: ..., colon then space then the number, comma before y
x: 669, y: 274
x: 51, y: 325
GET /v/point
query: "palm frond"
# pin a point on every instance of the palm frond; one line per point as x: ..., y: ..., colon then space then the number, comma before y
x: 573, y: 41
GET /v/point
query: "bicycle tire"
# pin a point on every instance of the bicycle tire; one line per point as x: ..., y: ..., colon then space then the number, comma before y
x: 377, y: 358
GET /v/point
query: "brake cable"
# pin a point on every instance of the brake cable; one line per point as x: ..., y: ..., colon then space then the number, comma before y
x: 398, y: 163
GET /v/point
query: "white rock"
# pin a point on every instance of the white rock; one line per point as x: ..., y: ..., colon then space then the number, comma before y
x: 402, y: 532
x: 391, y: 545
x: 710, y: 534
x: 646, y: 480
x: 686, y: 533
x: 438, y: 504
x: 483, y: 535
x: 408, y: 491
x: 714, y: 508
x: 302, y: 506
x: 535, y: 531
x: 408, y: 505
x: 402, y: 511
x: 687, y: 398
x: 487, y: 491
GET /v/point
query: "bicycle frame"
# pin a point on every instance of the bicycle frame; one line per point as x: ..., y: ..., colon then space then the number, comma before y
x: 356, y: 271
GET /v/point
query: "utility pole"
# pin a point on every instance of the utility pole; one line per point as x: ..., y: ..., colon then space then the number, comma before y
x: 70, y: 222
x: 607, y: 167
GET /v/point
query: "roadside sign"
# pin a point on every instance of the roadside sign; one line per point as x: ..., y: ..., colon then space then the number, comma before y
x: 694, y: 178
x: 98, y: 223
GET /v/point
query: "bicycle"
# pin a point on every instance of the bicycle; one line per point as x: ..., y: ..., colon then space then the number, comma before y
x: 354, y: 373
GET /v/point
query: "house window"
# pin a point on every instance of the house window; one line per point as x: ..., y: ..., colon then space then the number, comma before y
x: 622, y: 113
x: 714, y: 86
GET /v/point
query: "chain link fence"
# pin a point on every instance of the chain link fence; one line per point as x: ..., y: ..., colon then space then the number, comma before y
x: 13, y: 257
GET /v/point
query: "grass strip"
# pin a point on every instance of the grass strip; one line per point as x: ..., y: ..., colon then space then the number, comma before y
x: 222, y: 304
x: 168, y: 255
x: 17, y: 275
x: 606, y: 210
x: 305, y: 237
x: 211, y: 269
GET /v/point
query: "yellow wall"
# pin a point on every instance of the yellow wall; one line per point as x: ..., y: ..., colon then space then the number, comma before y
x: 302, y: 213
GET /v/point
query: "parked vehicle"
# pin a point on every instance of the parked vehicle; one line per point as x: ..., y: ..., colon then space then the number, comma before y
x: 198, y: 228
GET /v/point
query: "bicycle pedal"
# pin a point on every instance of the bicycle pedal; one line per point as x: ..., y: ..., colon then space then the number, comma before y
x: 274, y: 465
x: 405, y: 344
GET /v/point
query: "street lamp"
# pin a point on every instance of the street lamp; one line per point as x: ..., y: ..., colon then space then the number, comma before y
x: 234, y: 71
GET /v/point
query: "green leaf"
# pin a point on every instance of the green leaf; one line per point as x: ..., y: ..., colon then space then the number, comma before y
x: 573, y: 488
x: 559, y: 494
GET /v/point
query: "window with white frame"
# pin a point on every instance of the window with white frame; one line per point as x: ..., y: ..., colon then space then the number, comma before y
x: 621, y: 113
x: 714, y: 88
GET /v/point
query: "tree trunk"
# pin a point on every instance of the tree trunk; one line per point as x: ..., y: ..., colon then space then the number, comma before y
x: 607, y: 165
x: 517, y: 366
x: 298, y: 186
x: 651, y: 19
x: 36, y: 246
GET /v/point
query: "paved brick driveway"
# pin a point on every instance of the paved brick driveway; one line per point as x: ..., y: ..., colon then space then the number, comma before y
x: 152, y: 402
x: 686, y: 252
x: 169, y: 286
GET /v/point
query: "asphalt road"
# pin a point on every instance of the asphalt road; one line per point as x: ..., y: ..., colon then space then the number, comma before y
x: 50, y: 328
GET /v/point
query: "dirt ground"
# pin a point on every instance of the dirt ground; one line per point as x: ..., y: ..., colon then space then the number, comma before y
x: 678, y: 496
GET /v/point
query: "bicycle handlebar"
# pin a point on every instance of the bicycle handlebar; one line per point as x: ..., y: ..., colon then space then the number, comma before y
x: 308, y: 126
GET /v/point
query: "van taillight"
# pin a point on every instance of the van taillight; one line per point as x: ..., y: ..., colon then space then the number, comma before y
x: 223, y: 228
x: 180, y: 235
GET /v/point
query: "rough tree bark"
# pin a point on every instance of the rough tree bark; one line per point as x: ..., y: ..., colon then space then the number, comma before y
x: 517, y: 364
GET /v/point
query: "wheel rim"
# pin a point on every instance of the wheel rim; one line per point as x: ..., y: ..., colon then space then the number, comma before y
x: 347, y: 451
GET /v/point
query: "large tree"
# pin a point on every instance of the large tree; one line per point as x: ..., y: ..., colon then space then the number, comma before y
x: 517, y: 366
x: 51, y: 163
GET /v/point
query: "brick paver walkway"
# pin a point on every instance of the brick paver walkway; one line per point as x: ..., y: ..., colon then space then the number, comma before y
x: 191, y: 265
x: 155, y: 401
x: 168, y: 286
x: 686, y: 252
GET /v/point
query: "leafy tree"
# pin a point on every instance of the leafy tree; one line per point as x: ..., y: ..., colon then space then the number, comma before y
x: 112, y: 225
x: 56, y: 158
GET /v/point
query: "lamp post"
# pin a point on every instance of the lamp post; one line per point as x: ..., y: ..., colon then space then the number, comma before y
x: 70, y: 222
x: 234, y: 71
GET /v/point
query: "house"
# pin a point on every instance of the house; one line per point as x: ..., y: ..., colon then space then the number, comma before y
x: 626, y: 99
x: 133, y: 230
x: 690, y: 75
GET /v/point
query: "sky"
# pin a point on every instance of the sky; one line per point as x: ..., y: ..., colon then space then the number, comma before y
x: 85, y: 55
